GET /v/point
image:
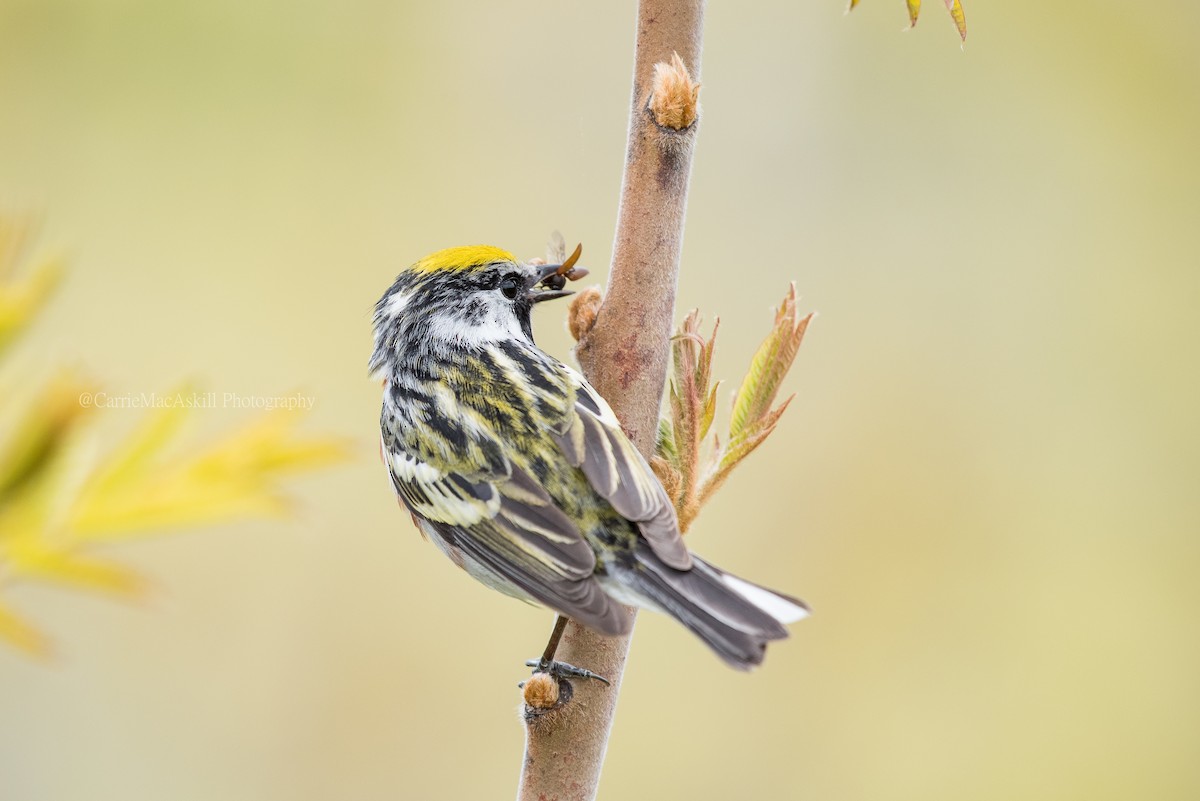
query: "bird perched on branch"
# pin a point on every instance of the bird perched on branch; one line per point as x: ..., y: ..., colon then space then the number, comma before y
x: 519, y: 471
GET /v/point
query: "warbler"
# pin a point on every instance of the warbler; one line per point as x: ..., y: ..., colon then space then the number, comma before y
x: 519, y: 471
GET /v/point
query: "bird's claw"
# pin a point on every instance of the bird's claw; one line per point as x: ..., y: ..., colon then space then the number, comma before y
x: 561, y: 670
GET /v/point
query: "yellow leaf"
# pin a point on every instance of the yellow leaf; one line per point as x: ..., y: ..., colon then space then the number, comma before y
x: 15, y: 233
x: 175, y: 503
x: 39, y: 436
x: 268, y: 445
x: 28, y: 505
x: 20, y: 302
x: 22, y: 635
x: 128, y: 462
x: 33, y: 559
x: 47, y: 519
x: 141, y: 492
x: 914, y: 11
x: 960, y: 18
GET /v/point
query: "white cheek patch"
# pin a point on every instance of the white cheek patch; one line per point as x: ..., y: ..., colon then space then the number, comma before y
x: 499, y: 323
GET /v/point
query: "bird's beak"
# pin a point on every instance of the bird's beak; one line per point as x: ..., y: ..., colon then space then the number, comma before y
x: 540, y: 291
x: 550, y: 279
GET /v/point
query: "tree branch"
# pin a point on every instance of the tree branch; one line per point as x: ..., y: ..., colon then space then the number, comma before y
x: 624, y: 354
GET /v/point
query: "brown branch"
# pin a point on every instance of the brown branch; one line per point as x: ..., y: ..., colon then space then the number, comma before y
x: 624, y: 354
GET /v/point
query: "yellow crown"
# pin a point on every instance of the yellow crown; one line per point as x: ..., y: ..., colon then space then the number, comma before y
x: 468, y: 257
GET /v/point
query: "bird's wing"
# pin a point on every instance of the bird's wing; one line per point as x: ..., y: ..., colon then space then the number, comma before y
x: 595, y: 443
x: 510, y: 525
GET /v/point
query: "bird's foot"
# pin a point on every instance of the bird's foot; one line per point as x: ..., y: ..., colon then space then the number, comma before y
x: 561, y: 670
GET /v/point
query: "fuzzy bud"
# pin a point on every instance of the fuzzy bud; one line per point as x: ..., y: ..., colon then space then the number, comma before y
x: 675, y: 97
x: 541, y: 691
x: 582, y: 314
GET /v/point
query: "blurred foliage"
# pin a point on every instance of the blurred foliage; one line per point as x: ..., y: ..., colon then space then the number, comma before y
x: 689, y: 475
x: 20, y: 298
x: 58, y: 508
x: 954, y: 6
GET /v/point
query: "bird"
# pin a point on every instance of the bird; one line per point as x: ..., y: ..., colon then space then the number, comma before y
x: 519, y: 471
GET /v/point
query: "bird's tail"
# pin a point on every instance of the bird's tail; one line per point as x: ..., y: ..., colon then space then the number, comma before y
x: 733, y: 616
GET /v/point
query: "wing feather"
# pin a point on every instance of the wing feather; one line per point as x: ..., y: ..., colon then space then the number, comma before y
x: 579, y: 599
x: 509, y: 524
x: 595, y: 443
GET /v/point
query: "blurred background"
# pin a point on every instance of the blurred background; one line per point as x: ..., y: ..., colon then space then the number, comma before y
x: 986, y: 488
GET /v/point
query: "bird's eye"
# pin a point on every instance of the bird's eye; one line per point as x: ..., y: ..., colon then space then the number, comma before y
x: 510, y: 285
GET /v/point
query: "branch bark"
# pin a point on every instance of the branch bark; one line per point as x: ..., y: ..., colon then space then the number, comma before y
x: 624, y: 354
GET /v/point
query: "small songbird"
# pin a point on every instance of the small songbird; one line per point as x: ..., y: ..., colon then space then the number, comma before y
x: 519, y: 471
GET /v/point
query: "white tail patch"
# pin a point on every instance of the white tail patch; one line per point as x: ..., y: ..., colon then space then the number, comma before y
x: 776, y: 606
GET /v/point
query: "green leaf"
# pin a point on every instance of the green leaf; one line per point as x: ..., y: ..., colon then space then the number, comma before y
x: 710, y: 410
x: 666, y: 442
x: 750, y: 438
x: 739, y: 449
x: 768, y: 367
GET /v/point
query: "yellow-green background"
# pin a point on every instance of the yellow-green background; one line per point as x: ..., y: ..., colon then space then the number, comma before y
x: 986, y: 489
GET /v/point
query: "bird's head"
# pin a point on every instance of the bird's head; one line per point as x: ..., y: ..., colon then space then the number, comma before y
x: 465, y: 296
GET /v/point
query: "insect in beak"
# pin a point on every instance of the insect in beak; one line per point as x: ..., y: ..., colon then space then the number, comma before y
x: 553, y: 277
